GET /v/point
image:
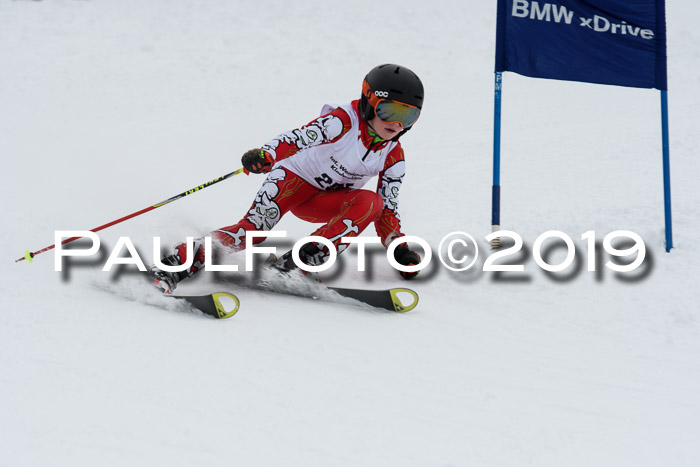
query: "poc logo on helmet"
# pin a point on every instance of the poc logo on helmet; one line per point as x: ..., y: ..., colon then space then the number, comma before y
x: 381, y: 93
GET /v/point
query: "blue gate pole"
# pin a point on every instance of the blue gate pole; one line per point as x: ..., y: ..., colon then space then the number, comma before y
x: 667, y: 170
x: 496, y: 187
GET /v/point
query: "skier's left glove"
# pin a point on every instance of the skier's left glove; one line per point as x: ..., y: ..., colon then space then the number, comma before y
x: 406, y: 257
x: 257, y: 161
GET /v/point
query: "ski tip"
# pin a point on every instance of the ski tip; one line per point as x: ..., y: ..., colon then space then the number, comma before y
x: 399, y: 305
x: 226, y: 304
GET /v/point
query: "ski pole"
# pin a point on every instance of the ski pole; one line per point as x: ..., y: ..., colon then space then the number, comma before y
x: 29, y: 256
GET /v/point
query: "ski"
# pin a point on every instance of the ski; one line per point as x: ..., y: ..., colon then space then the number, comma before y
x: 399, y: 300
x: 211, y: 304
x: 220, y: 305
x: 386, y: 299
x: 223, y: 305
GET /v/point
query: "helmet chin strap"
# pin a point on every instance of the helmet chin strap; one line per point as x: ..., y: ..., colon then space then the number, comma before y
x: 396, y: 138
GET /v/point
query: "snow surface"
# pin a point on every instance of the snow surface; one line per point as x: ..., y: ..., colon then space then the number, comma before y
x: 107, y: 107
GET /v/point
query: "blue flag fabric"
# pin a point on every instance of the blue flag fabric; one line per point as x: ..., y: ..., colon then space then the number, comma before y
x: 620, y: 42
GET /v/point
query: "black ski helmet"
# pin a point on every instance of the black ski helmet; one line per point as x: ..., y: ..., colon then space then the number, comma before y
x: 392, y: 82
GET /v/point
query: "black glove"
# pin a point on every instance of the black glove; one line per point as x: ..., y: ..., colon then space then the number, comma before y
x: 405, y: 257
x: 257, y: 161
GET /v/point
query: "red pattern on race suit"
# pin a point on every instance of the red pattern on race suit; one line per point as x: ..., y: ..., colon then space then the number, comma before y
x: 300, y: 182
x: 181, y: 255
x: 345, y: 212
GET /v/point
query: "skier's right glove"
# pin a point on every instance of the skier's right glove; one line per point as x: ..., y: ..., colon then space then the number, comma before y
x: 406, y: 257
x: 257, y: 161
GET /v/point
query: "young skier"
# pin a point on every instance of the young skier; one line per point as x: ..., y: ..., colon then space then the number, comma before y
x: 316, y: 172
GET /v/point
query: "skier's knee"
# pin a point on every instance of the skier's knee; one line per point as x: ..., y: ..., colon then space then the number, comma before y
x: 370, y: 200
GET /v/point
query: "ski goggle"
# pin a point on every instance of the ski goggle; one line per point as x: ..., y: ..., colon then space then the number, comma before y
x: 392, y: 111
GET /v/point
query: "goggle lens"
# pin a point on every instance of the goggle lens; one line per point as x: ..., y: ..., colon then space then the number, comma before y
x: 392, y: 111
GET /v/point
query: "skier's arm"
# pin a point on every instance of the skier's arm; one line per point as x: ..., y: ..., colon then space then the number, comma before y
x: 325, y: 129
x: 389, y: 224
x: 390, y: 178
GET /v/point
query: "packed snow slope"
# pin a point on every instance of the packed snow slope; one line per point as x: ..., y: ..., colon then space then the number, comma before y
x: 107, y: 107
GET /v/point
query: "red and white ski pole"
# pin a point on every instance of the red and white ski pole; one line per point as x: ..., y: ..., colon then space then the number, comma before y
x: 29, y: 255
